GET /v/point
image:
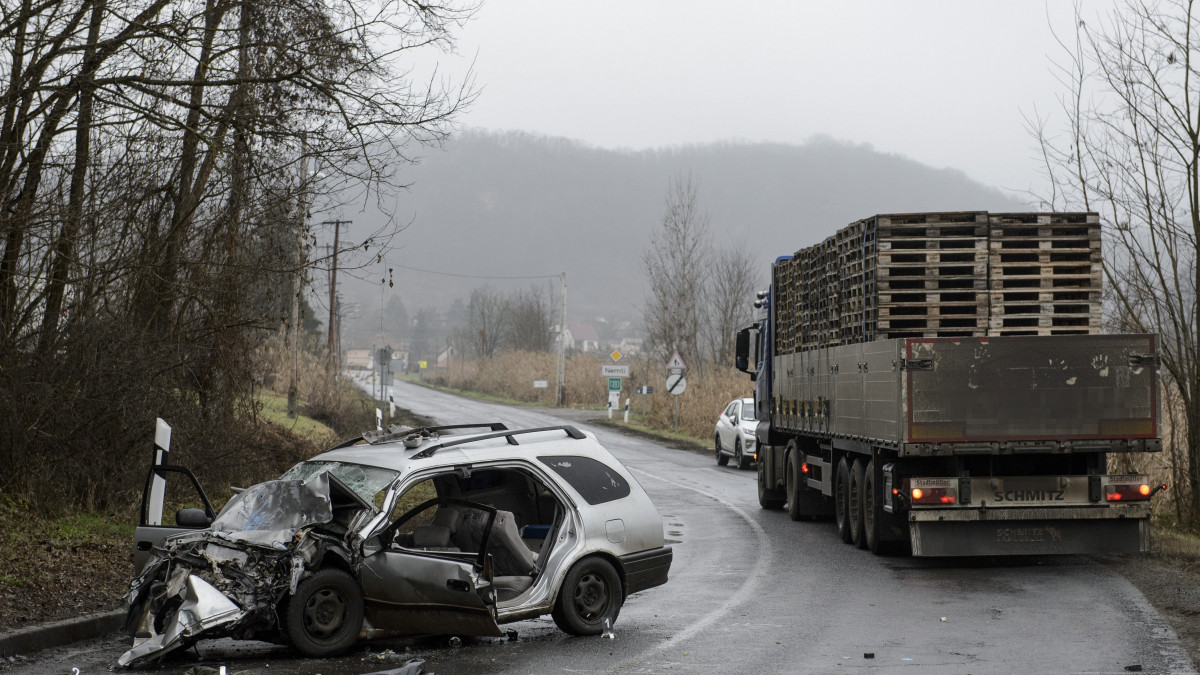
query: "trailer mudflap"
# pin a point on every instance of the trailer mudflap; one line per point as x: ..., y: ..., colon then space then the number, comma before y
x: 1029, y: 531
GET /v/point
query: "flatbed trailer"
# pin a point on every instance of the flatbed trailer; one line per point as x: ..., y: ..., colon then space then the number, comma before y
x: 955, y: 445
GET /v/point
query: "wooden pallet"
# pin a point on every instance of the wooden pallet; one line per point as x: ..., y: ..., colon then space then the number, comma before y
x: 1045, y: 273
x: 943, y: 275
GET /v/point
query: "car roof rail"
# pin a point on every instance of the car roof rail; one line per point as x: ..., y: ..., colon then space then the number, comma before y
x: 398, y: 431
x: 510, y: 435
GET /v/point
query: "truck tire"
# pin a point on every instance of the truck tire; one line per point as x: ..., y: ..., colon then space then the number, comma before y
x: 722, y: 459
x: 841, y: 504
x: 855, y: 502
x: 872, y: 510
x: 768, y: 498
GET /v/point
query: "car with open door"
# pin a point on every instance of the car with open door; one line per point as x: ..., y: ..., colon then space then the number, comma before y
x: 429, y: 531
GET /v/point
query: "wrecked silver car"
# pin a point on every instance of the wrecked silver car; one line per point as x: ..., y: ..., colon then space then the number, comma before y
x: 403, y: 532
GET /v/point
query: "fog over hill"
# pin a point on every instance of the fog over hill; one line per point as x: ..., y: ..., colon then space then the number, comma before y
x: 515, y: 204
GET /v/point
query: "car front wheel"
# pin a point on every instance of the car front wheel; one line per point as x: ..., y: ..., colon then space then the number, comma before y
x: 325, y: 615
x: 590, y: 594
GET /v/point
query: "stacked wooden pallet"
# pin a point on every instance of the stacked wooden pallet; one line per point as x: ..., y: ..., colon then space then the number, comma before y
x: 1045, y: 273
x: 958, y: 274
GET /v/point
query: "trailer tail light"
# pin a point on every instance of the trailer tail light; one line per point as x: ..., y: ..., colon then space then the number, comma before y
x: 1129, y: 489
x: 933, y: 491
x: 1128, y: 492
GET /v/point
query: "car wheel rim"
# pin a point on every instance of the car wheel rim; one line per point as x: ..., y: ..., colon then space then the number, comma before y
x: 591, y: 596
x: 324, y: 613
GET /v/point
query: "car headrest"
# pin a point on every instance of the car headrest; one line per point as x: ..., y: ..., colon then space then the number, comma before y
x: 448, y: 517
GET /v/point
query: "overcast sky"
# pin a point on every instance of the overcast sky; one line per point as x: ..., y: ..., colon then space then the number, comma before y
x: 944, y: 83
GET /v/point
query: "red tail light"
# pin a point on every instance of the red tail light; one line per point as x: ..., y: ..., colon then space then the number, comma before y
x: 1129, y: 492
x: 934, y: 495
x: 804, y: 467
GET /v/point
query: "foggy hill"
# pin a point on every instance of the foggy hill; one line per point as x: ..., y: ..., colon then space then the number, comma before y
x: 515, y: 204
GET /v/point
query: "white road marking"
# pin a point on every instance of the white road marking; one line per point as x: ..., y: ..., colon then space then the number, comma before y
x: 743, y: 594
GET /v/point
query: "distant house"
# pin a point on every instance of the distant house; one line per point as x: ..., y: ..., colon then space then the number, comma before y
x: 445, y: 357
x: 583, y: 337
x: 358, y: 358
x: 631, y: 345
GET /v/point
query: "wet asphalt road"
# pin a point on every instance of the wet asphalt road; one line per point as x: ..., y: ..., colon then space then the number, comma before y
x: 752, y: 591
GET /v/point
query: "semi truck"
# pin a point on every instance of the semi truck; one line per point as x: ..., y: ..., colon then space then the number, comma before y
x: 939, y: 383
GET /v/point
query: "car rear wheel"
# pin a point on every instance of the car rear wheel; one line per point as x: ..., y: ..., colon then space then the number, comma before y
x: 590, y: 594
x: 325, y: 615
x: 722, y: 458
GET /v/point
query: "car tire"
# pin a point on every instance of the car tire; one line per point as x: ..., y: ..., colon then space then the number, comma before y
x: 872, y: 510
x: 841, y: 505
x: 740, y: 457
x: 722, y: 458
x: 325, y: 615
x: 590, y: 594
x: 855, y: 502
x: 768, y: 498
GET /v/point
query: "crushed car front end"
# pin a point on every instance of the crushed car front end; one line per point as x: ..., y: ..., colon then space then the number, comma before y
x: 230, y: 580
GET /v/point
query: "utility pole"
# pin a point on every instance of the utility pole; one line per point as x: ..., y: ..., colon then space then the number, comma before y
x: 294, y: 348
x: 561, y: 379
x: 333, y: 348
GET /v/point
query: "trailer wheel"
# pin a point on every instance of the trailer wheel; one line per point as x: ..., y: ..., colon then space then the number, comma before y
x: 722, y: 460
x: 872, y: 510
x: 855, y: 502
x: 768, y: 498
x: 792, y: 481
x: 841, y: 502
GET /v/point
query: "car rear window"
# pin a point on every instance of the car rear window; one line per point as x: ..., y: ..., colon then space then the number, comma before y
x: 594, y: 481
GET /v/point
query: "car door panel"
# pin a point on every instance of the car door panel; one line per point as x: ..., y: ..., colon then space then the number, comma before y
x: 412, y: 593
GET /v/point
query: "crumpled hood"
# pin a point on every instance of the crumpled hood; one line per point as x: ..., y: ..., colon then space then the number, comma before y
x: 229, y: 576
x: 271, y: 513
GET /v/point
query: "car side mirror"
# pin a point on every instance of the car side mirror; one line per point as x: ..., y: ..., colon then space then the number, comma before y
x: 735, y: 420
x: 192, y: 518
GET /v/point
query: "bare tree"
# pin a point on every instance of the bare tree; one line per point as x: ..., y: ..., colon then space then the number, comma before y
x: 729, y: 295
x: 676, y: 263
x: 152, y: 203
x: 1131, y: 151
x: 487, y: 317
x: 529, y: 323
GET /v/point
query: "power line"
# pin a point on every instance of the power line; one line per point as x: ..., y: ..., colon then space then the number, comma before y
x: 474, y: 276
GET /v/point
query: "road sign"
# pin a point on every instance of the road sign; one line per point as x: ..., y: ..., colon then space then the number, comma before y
x: 615, y: 355
x: 645, y: 390
x: 614, y: 371
x: 614, y: 384
x: 540, y: 384
x: 423, y: 364
x: 676, y: 383
x: 675, y: 363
